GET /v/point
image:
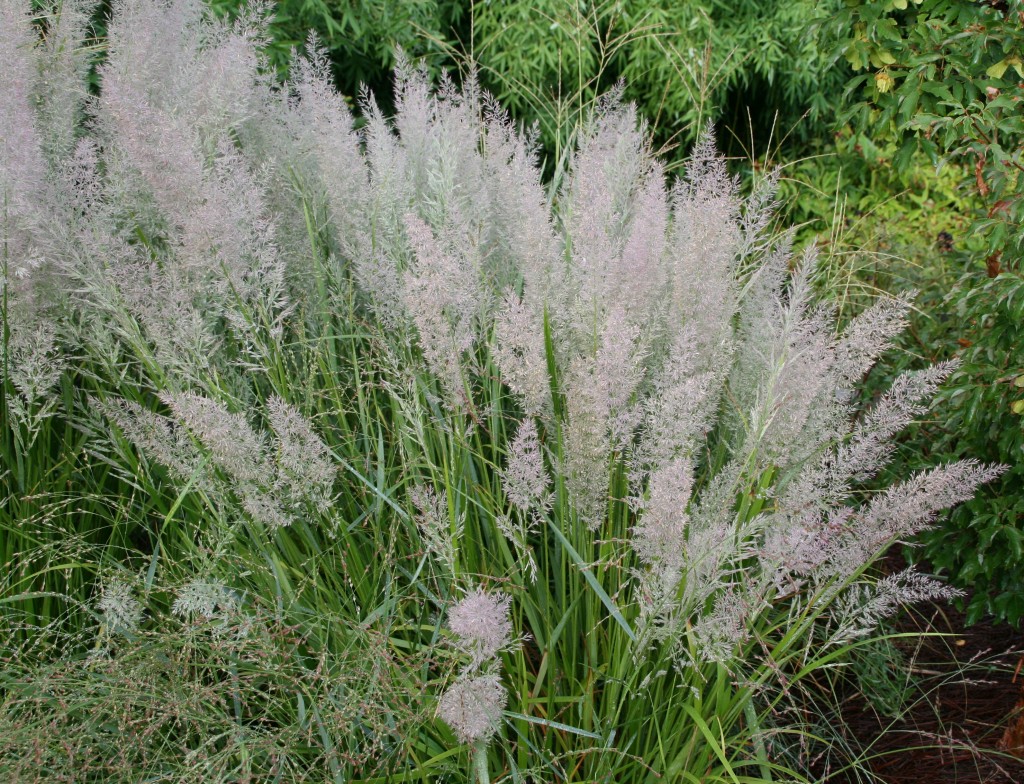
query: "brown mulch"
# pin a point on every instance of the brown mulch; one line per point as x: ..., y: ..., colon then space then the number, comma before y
x: 969, y: 729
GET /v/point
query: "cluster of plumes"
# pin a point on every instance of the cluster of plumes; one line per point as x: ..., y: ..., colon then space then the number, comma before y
x: 204, y: 443
x: 473, y: 703
x: 44, y: 78
x: 656, y: 313
x: 663, y: 312
x: 152, y: 227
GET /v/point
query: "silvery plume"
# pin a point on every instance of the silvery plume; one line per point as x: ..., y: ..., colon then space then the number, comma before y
x: 481, y: 624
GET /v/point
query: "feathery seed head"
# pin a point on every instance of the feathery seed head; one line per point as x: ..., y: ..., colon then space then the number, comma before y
x: 482, y: 625
x: 303, y: 460
x: 122, y: 612
x: 203, y: 599
x: 472, y: 707
x: 524, y: 479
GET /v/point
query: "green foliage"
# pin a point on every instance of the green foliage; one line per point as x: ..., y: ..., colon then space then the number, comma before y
x: 738, y: 63
x: 883, y: 675
x: 944, y: 78
x: 848, y: 202
x: 684, y: 62
x: 548, y: 61
x: 979, y: 414
x: 360, y: 36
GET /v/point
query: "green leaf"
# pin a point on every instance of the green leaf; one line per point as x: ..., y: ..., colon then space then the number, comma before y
x: 938, y: 89
x: 996, y: 71
x: 882, y: 57
x: 588, y: 575
x: 555, y: 725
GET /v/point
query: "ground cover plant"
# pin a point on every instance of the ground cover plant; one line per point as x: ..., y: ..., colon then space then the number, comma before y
x: 362, y: 456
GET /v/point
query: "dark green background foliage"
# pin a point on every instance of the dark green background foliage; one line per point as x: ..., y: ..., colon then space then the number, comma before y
x: 360, y: 36
x: 945, y: 78
x: 977, y: 414
x: 980, y: 414
x: 683, y: 61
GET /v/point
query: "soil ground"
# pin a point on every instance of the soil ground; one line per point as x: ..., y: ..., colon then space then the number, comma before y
x: 970, y: 728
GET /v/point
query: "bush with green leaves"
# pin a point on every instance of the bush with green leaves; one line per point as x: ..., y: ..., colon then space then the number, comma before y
x: 945, y: 77
x: 359, y: 456
x: 977, y: 414
x: 683, y: 62
x: 980, y: 414
x: 360, y: 38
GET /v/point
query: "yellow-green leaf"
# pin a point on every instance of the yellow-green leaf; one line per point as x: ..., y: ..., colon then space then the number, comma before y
x: 881, y: 57
x: 1017, y: 406
x: 883, y: 81
x: 1019, y: 381
x: 996, y: 71
x: 899, y: 5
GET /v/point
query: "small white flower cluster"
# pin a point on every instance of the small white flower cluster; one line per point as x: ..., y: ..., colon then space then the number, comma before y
x: 482, y: 625
x: 202, y: 599
x: 473, y: 704
x: 122, y: 612
x: 214, y: 603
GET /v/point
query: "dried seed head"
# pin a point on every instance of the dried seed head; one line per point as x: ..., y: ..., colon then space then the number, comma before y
x: 524, y: 479
x: 472, y: 707
x: 482, y: 624
x: 199, y: 598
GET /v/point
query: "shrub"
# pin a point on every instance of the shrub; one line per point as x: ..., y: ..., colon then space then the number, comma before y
x: 360, y: 38
x: 372, y: 460
x: 944, y: 78
x: 979, y: 415
x: 684, y: 63
x: 975, y: 415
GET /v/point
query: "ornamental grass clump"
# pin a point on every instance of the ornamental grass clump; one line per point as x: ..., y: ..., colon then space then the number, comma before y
x: 408, y: 465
